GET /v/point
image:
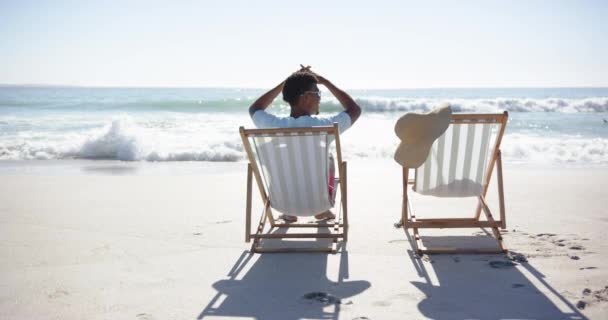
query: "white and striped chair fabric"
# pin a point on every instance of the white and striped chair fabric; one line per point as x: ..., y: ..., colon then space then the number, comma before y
x: 458, y: 161
x: 295, y: 170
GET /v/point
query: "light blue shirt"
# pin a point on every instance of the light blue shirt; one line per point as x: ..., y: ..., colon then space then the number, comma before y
x: 263, y: 119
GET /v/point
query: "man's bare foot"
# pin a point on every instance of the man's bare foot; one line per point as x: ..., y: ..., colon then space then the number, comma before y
x: 289, y: 218
x: 327, y: 215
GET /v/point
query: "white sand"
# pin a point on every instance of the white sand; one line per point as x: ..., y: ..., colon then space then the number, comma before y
x: 112, y: 243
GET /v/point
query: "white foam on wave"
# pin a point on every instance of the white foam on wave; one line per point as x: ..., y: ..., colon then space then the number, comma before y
x: 521, y: 148
x: 124, y: 139
x: 516, y: 148
x: 121, y: 141
x: 380, y: 104
x: 216, y: 139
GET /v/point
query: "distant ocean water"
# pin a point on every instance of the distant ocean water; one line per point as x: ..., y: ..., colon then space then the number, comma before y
x: 546, y: 126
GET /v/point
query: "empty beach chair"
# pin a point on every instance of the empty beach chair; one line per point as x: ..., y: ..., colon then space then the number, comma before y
x: 460, y: 164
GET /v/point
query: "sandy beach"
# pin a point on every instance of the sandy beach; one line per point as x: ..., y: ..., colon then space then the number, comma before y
x: 123, y: 159
x: 121, y: 240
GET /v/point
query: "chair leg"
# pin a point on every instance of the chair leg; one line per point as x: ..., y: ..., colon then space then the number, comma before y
x: 248, y: 205
x: 260, y: 228
x: 501, y: 195
x: 344, y: 198
x: 490, y: 218
x: 337, y: 230
x: 499, y: 239
x: 405, y: 216
x: 269, y: 216
x: 420, y: 248
x: 404, y: 203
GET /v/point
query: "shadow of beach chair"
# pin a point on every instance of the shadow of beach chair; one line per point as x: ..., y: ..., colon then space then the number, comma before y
x: 460, y: 164
x: 255, y: 288
x: 500, y: 289
x: 292, y: 169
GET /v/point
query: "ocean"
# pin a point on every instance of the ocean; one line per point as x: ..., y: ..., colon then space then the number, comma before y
x: 547, y: 126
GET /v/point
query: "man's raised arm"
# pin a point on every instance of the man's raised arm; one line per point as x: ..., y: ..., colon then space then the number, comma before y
x: 350, y: 106
x: 266, y: 99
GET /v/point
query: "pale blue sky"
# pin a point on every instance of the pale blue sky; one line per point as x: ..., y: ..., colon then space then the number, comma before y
x: 371, y: 44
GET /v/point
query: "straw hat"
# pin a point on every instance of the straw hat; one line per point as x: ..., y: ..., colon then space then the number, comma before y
x: 417, y: 133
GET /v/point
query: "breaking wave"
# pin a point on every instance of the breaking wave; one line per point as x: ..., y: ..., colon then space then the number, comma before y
x: 123, y: 140
x: 486, y: 105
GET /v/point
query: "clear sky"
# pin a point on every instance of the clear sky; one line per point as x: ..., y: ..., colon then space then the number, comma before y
x: 356, y: 44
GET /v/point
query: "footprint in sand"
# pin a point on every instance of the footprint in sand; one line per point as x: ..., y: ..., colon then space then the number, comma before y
x: 144, y: 316
x: 559, y: 242
x: 591, y: 297
x: 324, y: 297
x: 550, y: 244
x: 546, y: 235
x: 517, y: 257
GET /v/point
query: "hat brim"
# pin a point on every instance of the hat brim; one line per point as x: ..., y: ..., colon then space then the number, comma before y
x: 412, y: 155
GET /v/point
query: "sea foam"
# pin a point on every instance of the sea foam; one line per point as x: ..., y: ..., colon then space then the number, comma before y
x: 123, y: 139
x: 380, y: 104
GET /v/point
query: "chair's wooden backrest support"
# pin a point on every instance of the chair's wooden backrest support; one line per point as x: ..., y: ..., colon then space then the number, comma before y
x: 291, y: 166
x: 461, y: 161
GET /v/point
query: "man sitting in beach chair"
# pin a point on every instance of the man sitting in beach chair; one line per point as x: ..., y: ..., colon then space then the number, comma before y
x: 300, y: 90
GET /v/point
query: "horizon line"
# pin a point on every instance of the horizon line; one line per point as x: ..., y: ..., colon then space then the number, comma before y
x: 42, y: 85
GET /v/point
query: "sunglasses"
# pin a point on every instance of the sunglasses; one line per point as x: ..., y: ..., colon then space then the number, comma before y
x: 318, y: 93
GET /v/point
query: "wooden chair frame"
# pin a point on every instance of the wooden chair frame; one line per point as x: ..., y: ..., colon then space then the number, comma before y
x: 338, y: 229
x: 409, y: 219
